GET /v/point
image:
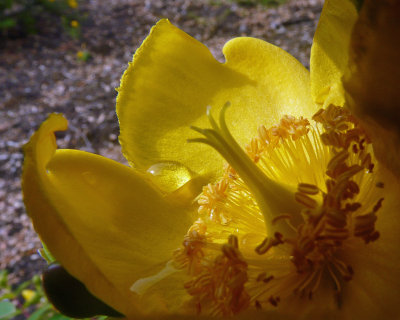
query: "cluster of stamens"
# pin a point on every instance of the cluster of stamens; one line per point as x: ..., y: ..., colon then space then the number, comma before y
x: 211, y: 201
x: 218, y: 289
x: 289, y: 127
x: 190, y: 255
x: 331, y: 213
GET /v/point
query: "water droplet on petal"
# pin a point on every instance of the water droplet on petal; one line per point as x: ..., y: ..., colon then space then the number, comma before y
x: 170, y: 176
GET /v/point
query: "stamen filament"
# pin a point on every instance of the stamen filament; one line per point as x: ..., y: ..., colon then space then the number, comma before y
x: 272, y: 197
x: 335, y: 201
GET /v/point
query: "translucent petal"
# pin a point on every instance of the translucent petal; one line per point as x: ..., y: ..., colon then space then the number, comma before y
x: 329, y: 52
x: 164, y: 293
x: 102, y: 221
x: 173, y: 78
x: 372, y: 80
x: 374, y: 291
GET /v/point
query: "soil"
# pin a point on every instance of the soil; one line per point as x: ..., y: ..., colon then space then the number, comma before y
x: 41, y: 73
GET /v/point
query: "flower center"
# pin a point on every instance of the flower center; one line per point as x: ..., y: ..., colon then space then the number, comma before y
x: 290, y: 205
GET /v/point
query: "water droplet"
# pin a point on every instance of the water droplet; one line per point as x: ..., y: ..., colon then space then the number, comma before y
x: 170, y: 176
x: 89, y: 177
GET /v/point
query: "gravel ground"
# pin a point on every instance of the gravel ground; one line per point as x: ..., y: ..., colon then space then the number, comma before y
x: 41, y: 74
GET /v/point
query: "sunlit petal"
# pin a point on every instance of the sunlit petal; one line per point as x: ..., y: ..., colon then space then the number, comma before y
x: 329, y: 52
x: 173, y: 78
x: 102, y: 221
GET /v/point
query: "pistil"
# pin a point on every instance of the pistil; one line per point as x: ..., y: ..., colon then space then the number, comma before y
x: 272, y: 197
x: 332, y: 205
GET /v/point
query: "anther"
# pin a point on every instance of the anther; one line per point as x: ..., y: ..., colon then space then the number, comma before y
x: 336, y: 218
x: 353, y: 206
x: 380, y: 184
x: 268, y: 243
x: 305, y: 200
x: 233, y: 241
x: 366, y: 161
x: 378, y: 205
x: 229, y: 252
x: 353, y: 187
x: 308, y: 188
x: 274, y: 301
x: 351, y: 171
x: 364, y: 224
x: 337, y: 160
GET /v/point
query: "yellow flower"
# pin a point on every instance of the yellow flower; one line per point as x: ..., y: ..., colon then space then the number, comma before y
x: 28, y: 294
x: 301, y: 223
x: 80, y: 54
x: 74, y: 24
x: 73, y: 4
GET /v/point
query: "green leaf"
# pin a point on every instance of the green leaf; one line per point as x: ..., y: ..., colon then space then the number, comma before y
x: 59, y: 316
x: 3, y: 279
x: 7, y: 296
x: 46, y: 254
x: 7, y: 309
x: 7, y: 23
x: 22, y: 287
x: 37, y: 315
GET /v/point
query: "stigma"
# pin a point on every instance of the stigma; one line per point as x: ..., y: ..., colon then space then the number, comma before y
x: 276, y: 225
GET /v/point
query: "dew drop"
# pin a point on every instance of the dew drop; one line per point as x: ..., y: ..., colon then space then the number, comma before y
x: 170, y: 176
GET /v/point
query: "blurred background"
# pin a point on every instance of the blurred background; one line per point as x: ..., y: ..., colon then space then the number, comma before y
x: 68, y: 56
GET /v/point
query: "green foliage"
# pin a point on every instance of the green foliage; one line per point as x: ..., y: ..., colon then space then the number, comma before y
x: 22, y: 16
x: 27, y: 300
x: 46, y: 255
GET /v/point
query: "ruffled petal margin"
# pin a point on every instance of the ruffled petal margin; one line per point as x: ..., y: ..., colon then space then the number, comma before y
x: 172, y: 80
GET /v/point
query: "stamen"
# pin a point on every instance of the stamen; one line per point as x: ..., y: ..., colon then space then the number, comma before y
x: 308, y: 188
x: 337, y: 201
x: 272, y: 197
x: 219, y: 290
x: 191, y: 253
x: 268, y: 243
x: 211, y: 202
x: 305, y: 200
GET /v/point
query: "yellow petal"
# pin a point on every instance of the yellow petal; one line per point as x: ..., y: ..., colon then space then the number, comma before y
x: 173, y: 78
x: 164, y: 292
x: 372, y: 81
x: 329, y: 52
x: 102, y: 221
x: 374, y: 291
